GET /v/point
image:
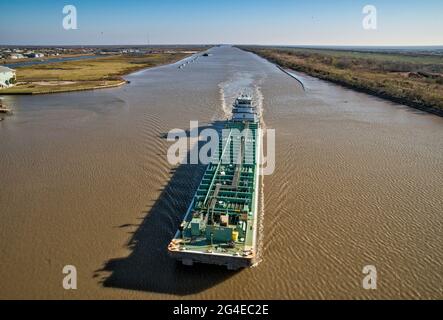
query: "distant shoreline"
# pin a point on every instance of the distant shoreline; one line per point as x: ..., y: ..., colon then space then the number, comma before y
x: 87, y: 74
x: 8, y: 62
x: 311, y: 63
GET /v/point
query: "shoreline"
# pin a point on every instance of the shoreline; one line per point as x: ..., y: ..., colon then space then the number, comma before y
x: 114, y: 85
x: 93, y: 84
x: 386, y: 97
x: 291, y: 75
x: 4, y: 62
x: 283, y: 66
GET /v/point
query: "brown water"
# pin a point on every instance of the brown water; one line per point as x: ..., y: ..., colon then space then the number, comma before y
x: 85, y: 181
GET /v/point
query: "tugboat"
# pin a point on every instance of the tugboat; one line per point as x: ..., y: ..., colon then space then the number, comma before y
x: 220, y: 225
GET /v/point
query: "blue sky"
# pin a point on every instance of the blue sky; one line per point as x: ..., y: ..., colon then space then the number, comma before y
x: 290, y: 22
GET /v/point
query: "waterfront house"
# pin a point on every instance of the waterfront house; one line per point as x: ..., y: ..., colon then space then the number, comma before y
x: 34, y: 55
x: 7, y: 77
x: 16, y: 56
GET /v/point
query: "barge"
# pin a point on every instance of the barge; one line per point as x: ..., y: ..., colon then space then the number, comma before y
x: 220, y: 225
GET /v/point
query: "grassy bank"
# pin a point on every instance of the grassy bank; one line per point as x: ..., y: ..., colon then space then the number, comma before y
x: 412, y: 79
x: 85, y: 74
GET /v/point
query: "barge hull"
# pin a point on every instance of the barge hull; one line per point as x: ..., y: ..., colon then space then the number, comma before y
x: 220, y: 225
x: 232, y: 263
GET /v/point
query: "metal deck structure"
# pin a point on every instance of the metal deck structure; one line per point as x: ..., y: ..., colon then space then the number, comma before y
x: 220, y: 225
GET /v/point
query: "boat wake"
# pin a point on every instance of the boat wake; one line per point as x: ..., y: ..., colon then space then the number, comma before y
x: 261, y: 212
x: 230, y: 89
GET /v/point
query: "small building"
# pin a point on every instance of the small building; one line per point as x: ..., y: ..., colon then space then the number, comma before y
x: 16, y: 56
x: 7, y: 77
x: 34, y: 55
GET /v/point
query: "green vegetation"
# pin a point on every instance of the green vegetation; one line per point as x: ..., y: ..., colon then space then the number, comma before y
x: 408, y: 78
x: 85, y: 74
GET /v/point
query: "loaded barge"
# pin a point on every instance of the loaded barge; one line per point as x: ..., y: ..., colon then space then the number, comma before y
x: 220, y: 225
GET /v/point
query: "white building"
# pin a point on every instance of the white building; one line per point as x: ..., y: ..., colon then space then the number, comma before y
x: 7, y: 77
x: 16, y: 56
x: 34, y: 55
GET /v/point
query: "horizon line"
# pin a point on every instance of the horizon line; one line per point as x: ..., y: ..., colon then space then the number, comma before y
x: 224, y: 44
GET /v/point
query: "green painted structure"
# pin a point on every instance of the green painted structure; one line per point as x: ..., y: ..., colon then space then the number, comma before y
x: 220, y: 226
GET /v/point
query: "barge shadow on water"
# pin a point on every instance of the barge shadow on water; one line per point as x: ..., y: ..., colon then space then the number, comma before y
x: 149, y: 267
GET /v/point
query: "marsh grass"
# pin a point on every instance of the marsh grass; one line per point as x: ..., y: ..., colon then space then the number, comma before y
x: 85, y: 74
x: 412, y: 79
